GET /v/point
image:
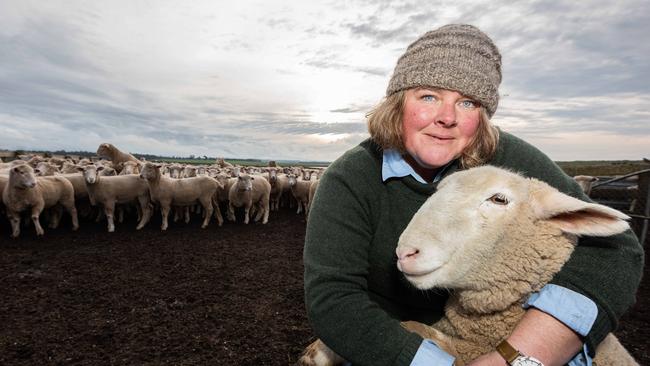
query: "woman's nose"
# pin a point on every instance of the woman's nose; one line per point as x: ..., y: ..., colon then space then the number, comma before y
x: 446, y: 115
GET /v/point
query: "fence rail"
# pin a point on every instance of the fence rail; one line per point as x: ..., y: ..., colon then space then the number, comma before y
x: 629, y: 193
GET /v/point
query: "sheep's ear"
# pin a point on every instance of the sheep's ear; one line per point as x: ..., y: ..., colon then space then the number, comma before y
x: 37, y: 171
x: 100, y: 168
x: 80, y: 169
x: 574, y: 216
x: 158, y: 166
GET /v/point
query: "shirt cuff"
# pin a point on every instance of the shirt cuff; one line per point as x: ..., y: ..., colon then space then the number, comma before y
x: 430, y: 354
x: 575, y: 310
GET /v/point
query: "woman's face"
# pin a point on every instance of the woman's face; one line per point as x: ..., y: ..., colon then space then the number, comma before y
x: 437, y: 125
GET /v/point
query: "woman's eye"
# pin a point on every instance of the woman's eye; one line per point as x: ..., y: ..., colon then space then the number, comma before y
x: 499, y: 199
x: 469, y: 104
x: 428, y: 98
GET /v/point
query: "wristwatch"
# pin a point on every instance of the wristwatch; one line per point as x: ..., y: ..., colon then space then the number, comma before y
x: 515, y: 358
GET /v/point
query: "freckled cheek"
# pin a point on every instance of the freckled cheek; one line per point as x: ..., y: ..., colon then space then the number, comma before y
x: 468, y: 127
x: 417, y: 119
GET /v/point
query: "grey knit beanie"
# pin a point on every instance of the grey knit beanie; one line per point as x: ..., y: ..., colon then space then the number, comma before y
x: 457, y: 57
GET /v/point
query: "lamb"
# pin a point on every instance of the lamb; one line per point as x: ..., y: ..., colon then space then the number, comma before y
x: 181, y: 192
x: 505, y: 229
x: 247, y: 191
x: 111, y: 190
x: 300, y: 191
x: 113, y: 154
x: 24, y: 191
x: 585, y: 182
x: 279, y: 183
x: 222, y: 194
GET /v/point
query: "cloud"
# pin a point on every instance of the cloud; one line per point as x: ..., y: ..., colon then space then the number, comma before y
x: 260, y: 81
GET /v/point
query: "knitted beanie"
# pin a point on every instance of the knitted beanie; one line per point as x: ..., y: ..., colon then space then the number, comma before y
x: 457, y: 57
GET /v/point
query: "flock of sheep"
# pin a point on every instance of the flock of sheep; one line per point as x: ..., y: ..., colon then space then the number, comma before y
x: 38, y: 186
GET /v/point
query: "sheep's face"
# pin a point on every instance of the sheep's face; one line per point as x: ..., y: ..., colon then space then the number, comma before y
x: 189, y: 171
x: 130, y: 167
x: 107, y: 172
x: 91, y: 173
x: 104, y: 150
x: 457, y: 228
x: 69, y: 168
x: 487, y: 226
x: 175, y: 171
x: 43, y: 168
x: 292, y: 179
x: 273, y: 175
x: 22, y: 176
x: 244, y: 182
x: 150, y: 171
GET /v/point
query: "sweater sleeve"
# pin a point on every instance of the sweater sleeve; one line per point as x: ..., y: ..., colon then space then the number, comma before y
x: 336, y: 260
x: 605, y: 269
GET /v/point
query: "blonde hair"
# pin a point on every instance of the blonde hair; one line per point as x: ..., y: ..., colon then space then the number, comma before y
x: 385, y: 128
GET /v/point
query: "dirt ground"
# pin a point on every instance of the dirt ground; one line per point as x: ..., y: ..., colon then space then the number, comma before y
x: 228, y: 295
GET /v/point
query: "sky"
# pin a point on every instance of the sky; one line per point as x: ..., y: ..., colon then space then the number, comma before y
x: 293, y: 80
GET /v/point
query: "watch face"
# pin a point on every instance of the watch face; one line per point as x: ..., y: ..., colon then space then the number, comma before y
x: 526, y: 361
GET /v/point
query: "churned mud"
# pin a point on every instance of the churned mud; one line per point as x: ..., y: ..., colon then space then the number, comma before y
x: 229, y: 295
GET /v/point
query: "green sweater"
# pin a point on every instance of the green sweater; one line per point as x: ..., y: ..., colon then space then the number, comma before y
x: 356, y: 297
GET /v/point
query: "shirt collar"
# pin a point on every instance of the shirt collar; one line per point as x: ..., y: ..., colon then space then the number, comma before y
x: 395, y: 166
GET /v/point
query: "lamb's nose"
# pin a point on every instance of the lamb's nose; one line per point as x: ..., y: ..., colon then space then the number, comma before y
x: 406, y: 253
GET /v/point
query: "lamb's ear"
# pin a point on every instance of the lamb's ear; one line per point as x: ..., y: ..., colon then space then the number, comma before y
x: 574, y: 216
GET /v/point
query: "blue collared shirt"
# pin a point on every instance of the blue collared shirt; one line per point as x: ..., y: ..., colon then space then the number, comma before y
x: 575, y: 310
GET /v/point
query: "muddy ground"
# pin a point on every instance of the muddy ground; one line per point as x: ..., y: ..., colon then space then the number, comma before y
x: 228, y: 295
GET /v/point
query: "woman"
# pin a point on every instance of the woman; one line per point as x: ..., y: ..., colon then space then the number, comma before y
x: 434, y: 121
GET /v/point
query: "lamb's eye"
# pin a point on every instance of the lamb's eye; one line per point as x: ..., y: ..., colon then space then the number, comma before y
x: 499, y: 199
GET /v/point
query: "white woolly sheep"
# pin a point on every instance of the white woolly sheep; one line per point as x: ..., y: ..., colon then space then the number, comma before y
x: 499, y: 228
x: 585, y: 182
x: 181, y: 192
x: 300, y: 191
x: 24, y: 191
x: 112, y: 190
x: 247, y: 191
x: 279, y: 184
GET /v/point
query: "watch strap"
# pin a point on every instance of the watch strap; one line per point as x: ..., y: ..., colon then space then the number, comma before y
x: 507, y: 351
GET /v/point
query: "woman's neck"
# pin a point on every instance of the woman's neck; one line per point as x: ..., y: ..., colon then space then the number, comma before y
x: 428, y: 174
